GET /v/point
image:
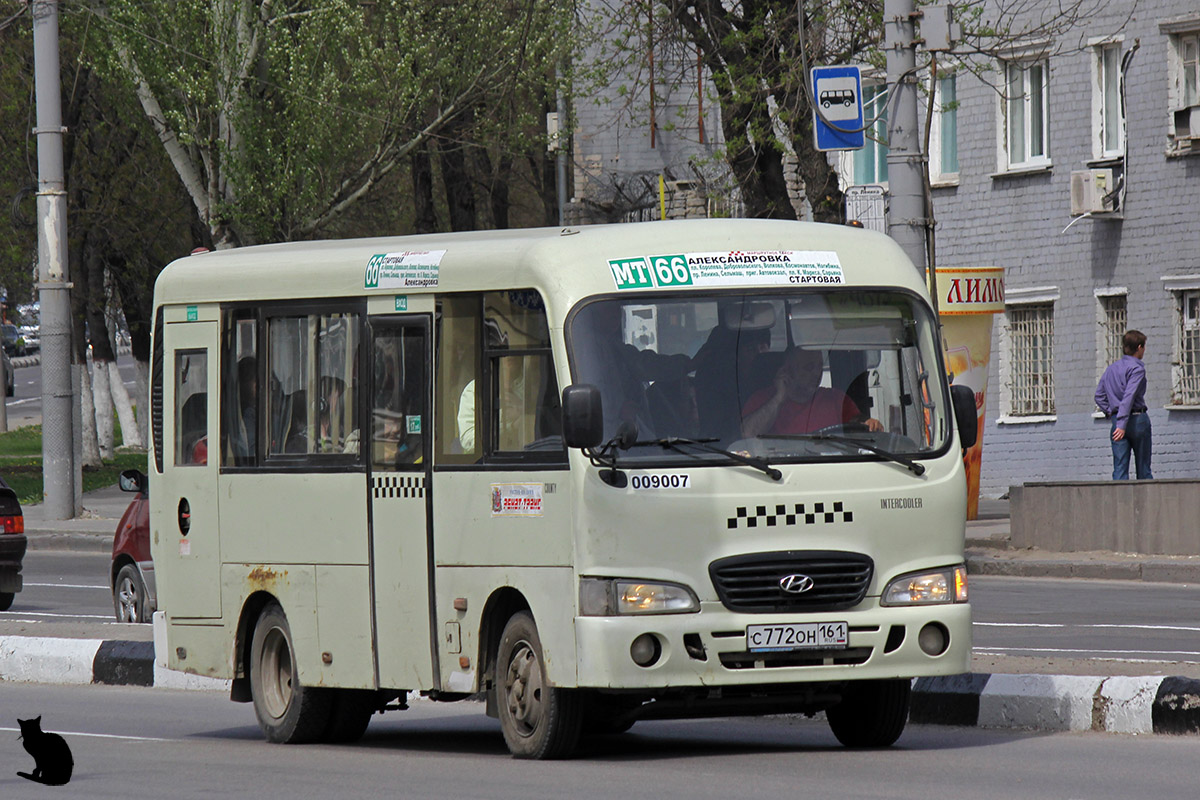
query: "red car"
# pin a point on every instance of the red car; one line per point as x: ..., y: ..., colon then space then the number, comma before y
x: 131, y: 574
x: 12, y: 545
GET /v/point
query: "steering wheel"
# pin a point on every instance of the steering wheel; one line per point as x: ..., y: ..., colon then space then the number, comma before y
x: 842, y: 427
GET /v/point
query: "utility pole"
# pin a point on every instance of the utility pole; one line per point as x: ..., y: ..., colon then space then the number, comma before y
x: 58, y: 428
x: 906, y: 217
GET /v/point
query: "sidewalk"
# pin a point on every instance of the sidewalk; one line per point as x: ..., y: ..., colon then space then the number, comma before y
x: 1118, y: 703
x: 91, y: 531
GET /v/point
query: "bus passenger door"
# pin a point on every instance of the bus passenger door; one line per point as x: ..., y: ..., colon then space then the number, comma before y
x: 187, y: 530
x: 399, y: 465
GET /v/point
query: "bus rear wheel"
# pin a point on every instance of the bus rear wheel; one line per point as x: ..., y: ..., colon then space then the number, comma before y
x: 538, y: 720
x: 871, y: 713
x: 288, y: 712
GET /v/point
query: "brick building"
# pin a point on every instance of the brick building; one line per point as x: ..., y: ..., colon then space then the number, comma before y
x: 1106, y: 120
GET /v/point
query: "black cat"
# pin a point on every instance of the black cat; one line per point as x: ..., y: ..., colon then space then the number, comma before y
x: 52, y: 758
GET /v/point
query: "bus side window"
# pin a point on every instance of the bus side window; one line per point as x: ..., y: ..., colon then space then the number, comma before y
x: 191, y: 408
x: 457, y: 437
x: 312, y: 384
x: 239, y: 390
x: 526, y: 415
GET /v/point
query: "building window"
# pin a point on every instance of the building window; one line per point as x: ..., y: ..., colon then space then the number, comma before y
x: 1026, y: 117
x: 943, y: 135
x: 1189, y: 69
x: 1109, y: 118
x: 1183, y: 87
x: 1187, y: 386
x: 1113, y: 325
x: 870, y: 163
x: 1031, y: 352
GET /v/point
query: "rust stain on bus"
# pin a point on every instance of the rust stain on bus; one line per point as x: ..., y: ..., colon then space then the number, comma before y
x: 264, y: 576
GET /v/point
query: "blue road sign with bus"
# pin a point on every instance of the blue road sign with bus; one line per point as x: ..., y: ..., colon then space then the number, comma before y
x: 838, y: 94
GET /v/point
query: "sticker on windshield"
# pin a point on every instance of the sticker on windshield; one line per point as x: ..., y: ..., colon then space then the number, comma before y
x: 732, y: 268
x: 410, y: 269
x: 683, y: 481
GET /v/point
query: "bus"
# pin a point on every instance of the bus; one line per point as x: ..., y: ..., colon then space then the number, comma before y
x: 594, y: 475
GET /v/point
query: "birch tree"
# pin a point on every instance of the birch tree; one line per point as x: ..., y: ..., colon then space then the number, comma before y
x: 279, y: 116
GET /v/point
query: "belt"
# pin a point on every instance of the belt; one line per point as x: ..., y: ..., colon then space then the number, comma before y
x: 1142, y: 411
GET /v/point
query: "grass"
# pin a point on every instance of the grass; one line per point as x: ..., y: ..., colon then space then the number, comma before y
x: 21, y: 464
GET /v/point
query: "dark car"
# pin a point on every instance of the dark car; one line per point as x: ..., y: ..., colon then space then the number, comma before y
x: 10, y: 381
x: 12, y: 545
x: 131, y: 574
x: 14, y: 343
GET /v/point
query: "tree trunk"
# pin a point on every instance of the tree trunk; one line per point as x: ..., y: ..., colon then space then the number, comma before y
x: 819, y: 176
x: 456, y: 180
x: 424, y: 216
x: 131, y: 435
x: 143, y: 400
x: 91, y: 448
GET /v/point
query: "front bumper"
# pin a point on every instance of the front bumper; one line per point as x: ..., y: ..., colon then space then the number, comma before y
x: 883, y: 644
x: 12, y: 552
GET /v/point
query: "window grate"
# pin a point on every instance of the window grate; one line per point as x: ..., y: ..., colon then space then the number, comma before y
x: 1189, y: 350
x: 1115, y: 321
x: 1032, y: 335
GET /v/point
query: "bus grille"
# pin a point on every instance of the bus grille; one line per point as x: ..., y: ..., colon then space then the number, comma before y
x: 752, y: 583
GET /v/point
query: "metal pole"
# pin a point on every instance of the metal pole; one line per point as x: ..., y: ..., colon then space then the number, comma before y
x: 561, y: 157
x: 58, y: 440
x: 906, y: 184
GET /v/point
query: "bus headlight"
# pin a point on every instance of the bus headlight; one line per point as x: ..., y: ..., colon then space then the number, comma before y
x: 927, y: 588
x: 609, y: 597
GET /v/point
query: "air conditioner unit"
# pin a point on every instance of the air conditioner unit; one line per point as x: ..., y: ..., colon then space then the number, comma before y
x: 1092, y: 192
x: 1187, y: 124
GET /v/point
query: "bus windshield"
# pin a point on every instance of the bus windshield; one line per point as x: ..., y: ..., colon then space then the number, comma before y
x: 827, y: 374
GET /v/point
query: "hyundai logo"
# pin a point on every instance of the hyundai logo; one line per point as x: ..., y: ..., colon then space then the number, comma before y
x: 795, y: 584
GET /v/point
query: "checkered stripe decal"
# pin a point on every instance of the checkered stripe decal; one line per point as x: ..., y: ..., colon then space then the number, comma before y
x: 771, y: 516
x: 398, y: 487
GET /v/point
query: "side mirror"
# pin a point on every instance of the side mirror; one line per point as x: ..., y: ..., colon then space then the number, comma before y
x: 583, y: 416
x: 965, y: 415
x: 133, y: 480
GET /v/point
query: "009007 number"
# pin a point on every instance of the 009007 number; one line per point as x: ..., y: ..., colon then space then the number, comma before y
x: 660, y: 481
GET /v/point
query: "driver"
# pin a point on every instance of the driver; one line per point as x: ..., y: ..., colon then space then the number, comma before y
x: 797, y: 403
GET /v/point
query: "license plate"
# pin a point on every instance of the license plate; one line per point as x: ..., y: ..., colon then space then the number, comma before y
x: 798, y: 636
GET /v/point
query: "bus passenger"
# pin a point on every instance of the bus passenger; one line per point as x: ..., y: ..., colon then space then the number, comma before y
x: 797, y: 403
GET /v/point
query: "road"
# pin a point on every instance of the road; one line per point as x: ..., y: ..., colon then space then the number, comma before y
x: 135, y: 743
x: 25, y: 408
x: 1021, y: 624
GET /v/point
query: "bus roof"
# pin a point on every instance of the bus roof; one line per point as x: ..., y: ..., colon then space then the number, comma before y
x: 570, y: 263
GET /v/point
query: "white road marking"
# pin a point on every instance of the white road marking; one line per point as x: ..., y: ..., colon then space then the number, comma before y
x: 1113, y: 653
x: 100, y: 735
x: 69, y: 585
x: 57, y: 615
x: 1088, y: 625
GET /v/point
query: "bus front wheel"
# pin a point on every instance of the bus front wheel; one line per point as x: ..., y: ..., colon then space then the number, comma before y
x: 538, y: 720
x: 871, y: 713
x: 288, y: 712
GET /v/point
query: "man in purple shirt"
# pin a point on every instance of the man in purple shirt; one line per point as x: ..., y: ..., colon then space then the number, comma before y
x: 1121, y: 395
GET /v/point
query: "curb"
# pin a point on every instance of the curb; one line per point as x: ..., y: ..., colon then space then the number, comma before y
x: 1096, y: 566
x: 30, y: 659
x: 1129, y: 705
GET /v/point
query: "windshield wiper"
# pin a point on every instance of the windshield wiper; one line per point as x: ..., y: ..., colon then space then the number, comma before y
x: 913, y: 466
x: 677, y: 443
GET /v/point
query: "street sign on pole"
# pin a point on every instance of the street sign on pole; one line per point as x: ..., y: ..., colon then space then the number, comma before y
x: 838, y: 115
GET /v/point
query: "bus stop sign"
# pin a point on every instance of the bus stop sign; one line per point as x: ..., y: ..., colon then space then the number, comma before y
x: 838, y: 95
